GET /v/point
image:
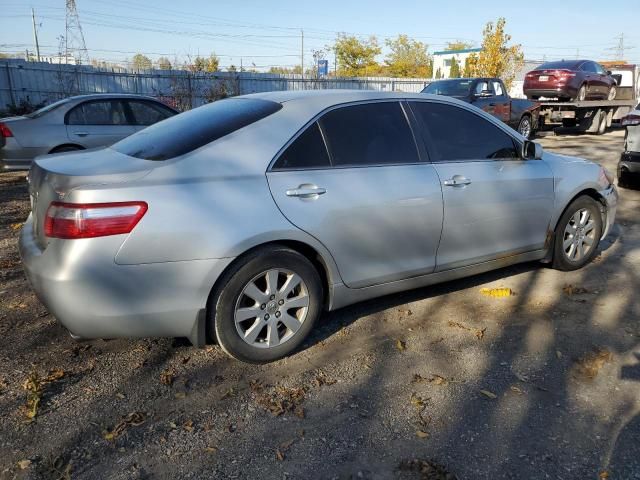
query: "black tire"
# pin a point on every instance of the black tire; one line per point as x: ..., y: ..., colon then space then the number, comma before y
x: 561, y: 261
x: 581, y: 94
x: 525, y: 127
x: 623, y: 179
x: 66, y: 148
x: 222, y: 307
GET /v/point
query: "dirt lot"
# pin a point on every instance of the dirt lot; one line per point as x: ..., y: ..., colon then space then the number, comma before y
x: 437, y: 383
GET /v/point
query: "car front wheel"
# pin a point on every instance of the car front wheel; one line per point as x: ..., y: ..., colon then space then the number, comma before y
x: 525, y: 128
x: 577, y: 235
x: 267, y: 305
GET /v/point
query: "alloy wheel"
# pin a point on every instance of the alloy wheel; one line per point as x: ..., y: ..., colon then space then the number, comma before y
x: 524, y: 128
x: 271, y: 308
x: 579, y: 235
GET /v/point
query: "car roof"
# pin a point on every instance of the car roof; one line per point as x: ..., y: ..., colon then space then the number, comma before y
x: 99, y: 96
x: 328, y: 98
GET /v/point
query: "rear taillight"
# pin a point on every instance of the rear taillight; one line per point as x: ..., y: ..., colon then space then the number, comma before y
x: 4, y: 131
x: 89, y: 220
x: 630, y: 121
x: 531, y: 75
x: 564, y: 73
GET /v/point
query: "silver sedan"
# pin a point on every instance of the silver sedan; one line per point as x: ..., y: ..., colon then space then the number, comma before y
x: 242, y: 220
x: 75, y: 123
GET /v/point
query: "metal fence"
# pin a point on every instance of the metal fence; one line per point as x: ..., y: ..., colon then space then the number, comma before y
x: 32, y: 83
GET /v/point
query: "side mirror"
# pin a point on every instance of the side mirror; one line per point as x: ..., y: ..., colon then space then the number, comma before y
x: 532, y: 150
x: 609, y: 72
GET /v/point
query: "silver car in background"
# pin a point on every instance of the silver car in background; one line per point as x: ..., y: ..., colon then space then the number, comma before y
x: 629, y: 164
x: 76, y: 123
x: 242, y: 220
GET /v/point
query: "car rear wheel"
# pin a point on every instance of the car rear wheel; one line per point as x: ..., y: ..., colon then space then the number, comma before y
x: 525, y: 127
x: 65, y: 148
x: 582, y: 93
x: 612, y: 93
x: 577, y: 235
x: 267, y: 305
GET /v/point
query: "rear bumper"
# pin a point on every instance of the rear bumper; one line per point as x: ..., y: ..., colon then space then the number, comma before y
x: 93, y: 297
x: 629, y: 161
x: 565, y: 91
x: 15, y: 157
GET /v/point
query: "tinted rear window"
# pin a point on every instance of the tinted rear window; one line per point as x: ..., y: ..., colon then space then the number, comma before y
x: 193, y: 129
x: 554, y: 65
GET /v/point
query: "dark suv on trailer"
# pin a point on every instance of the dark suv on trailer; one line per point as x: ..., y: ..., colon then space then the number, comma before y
x: 570, y: 80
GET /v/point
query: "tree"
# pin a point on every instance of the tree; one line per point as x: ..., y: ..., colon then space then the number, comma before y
x: 458, y: 45
x: 212, y: 64
x: 286, y: 71
x: 355, y: 57
x: 454, y: 70
x: 164, y: 63
x: 497, y: 58
x: 198, y: 65
x: 438, y: 73
x: 407, y: 58
x: 141, y: 62
x: 470, y: 65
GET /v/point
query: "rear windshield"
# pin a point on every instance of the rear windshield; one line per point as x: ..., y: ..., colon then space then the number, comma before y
x: 190, y: 130
x: 451, y: 88
x: 48, y: 108
x: 554, y: 65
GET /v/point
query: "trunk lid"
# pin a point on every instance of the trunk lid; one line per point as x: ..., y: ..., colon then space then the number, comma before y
x: 52, y: 177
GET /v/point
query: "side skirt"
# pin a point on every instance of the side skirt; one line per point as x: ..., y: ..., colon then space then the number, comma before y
x: 341, y: 295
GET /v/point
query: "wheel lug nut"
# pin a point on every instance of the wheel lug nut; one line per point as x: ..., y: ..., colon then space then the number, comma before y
x: 281, y: 302
x: 266, y: 317
x: 277, y: 314
x: 272, y: 297
x: 263, y: 306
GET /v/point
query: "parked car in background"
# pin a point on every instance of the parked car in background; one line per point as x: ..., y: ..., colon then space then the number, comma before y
x: 76, y: 123
x: 490, y: 95
x: 570, y: 80
x: 243, y: 219
x: 629, y: 164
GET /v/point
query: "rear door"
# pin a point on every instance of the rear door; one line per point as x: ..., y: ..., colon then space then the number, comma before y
x: 495, y: 203
x: 98, y: 123
x: 355, y: 181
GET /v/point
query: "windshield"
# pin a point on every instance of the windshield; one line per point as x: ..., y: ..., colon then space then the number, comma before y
x: 451, y: 88
x: 190, y: 130
x: 48, y: 108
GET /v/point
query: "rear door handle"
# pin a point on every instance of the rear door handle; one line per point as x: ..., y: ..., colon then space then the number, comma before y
x: 306, y: 190
x: 81, y: 134
x: 457, y: 181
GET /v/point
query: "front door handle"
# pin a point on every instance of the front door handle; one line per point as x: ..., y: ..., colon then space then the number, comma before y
x: 81, y: 134
x: 457, y: 181
x: 306, y: 190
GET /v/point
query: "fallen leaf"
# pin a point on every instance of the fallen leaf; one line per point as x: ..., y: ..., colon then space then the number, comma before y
x: 517, y: 390
x: 438, y: 380
x: 479, y: 333
x: 16, y: 226
x: 188, y: 425
x: 120, y: 395
x: 400, y: 345
x: 229, y: 393
x: 489, y: 394
x: 421, y: 434
x: 417, y: 378
x: 210, y: 449
x: 590, y: 365
x: 24, y: 464
x: 134, y: 419
x: 558, y: 354
x: 603, y: 475
x: 497, y: 292
x: 279, y: 455
x: 417, y: 401
x: 180, y: 395
x: 167, y: 376
x: 570, y: 290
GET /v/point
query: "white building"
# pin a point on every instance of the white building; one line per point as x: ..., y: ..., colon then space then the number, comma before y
x: 442, y: 60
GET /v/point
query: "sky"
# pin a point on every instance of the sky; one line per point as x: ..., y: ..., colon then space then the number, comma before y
x: 263, y: 34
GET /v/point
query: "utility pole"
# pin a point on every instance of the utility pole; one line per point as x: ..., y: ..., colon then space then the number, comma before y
x: 620, y: 49
x: 35, y: 34
x: 302, y: 53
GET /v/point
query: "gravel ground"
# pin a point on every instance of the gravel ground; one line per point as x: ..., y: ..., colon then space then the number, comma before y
x: 442, y: 382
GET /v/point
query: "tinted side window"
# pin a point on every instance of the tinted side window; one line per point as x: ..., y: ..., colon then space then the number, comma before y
x: 369, y: 134
x: 457, y: 134
x: 147, y: 113
x: 497, y: 88
x: 98, y: 113
x: 306, y: 151
x: 190, y: 130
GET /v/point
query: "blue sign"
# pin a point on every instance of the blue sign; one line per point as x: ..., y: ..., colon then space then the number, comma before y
x: 323, y: 68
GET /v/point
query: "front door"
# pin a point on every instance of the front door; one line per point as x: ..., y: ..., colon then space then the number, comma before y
x: 354, y: 181
x: 495, y: 203
x: 98, y: 123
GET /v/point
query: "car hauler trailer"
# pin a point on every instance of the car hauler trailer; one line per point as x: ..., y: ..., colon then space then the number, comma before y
x: 595, y: 116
